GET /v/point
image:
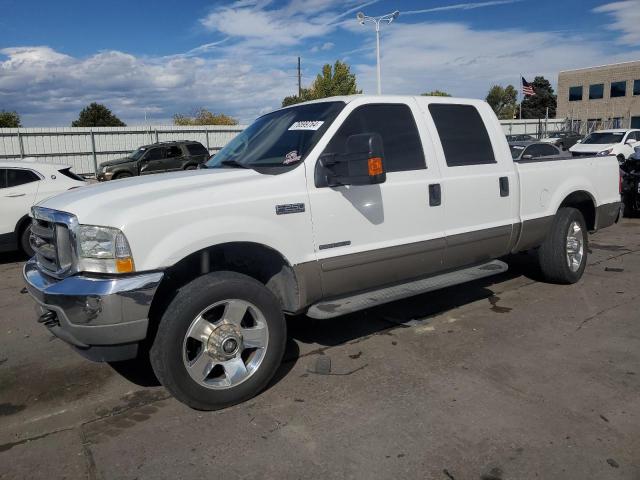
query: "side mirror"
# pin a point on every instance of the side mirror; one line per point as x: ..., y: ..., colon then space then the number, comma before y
x: 631, y: 141
x: 579, y: 141
x: 527, y: 157
x: 362, y: 164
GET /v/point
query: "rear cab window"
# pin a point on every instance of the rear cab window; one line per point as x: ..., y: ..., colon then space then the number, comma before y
x: 196, y: 149
x: 463, y: 135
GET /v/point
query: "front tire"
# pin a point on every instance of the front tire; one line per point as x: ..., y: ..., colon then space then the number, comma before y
x: 25, y: 246
x: 220, y: 341
x: 122, y: 175
x: 563, y: 254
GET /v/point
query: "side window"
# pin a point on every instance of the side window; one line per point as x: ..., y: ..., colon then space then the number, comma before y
x: 396, y: 126
x: 464, y: 137
x: 16, y: 177
x: 174, y: 151
x: 197, y: 149
x: 3, y: 178
x: 547, y: 150
x: 154, y: 154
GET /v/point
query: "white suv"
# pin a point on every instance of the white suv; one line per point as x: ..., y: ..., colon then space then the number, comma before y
x: 616, y: 142
x: 23, y: 184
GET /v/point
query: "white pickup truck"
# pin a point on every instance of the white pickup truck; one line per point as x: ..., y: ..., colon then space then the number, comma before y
x: 322, y: 208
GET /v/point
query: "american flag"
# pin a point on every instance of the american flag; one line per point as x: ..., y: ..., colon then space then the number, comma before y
x: 527, y: 88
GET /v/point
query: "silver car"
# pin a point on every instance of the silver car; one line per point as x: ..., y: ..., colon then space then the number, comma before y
x: 532, y: 151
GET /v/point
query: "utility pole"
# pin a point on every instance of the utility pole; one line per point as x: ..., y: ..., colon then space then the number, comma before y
x: 299, y: 79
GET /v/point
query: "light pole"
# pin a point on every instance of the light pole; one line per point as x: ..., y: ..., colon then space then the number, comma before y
x: 389, y: 17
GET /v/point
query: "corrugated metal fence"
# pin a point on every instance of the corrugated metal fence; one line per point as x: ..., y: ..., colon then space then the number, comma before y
x: 538, y: 128
x: 84, y: 149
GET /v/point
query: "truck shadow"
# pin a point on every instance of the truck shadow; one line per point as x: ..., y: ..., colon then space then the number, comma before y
x: 12, y: 257
x: 347, y: 328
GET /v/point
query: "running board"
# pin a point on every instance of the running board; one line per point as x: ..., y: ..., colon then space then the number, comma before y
x: 343, y: 305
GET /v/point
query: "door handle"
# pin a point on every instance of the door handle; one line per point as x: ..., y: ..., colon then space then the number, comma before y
x: 15, y: 195
x: 435, y: 195
x: 504, y: 186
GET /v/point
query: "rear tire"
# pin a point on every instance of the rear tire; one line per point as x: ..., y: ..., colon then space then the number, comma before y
x: 122, y: 175
x: 563, y: 254
x: 220, y: 341
x: 25, y: 246
x: 191, y: 167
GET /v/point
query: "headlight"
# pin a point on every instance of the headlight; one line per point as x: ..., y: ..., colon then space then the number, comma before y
x: 103, y: 250
x: 604, y: 153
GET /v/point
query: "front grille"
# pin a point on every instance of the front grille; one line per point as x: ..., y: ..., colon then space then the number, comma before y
x: 51, y: 243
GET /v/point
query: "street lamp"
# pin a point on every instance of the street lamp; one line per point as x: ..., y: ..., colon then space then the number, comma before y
x: 389, y: 17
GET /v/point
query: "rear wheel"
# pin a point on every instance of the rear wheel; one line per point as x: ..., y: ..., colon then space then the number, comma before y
x: 190, y: 167
x: 563, y: 254
x: 122, y: 175
x: 220, y: 341
x: 25, y: 246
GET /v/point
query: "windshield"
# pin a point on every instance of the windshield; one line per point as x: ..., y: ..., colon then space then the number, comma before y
x: 604, y: 137
x: 137, y: 154
x: 516, y: 150
x: 279, y: 139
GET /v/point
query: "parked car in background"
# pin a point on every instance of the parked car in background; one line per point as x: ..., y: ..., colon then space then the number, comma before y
x: 523, y: 151
x: 630, y: 185
x: 323, y: 208
x: 616, y: 142
x: 156, y: 158
x: 23, y: 184
x: 563, y: 139
x: 521, y: 138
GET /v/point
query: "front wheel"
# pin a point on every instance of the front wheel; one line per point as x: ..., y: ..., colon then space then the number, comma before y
x: 563, y: 254
x: 220, y: 341
x: 25, y: 245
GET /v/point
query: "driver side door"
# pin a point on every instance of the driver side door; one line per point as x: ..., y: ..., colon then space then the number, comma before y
x: 153, y: 161
x: 368, y: 236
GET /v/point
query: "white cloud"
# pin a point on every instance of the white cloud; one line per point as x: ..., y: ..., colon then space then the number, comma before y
x: 461, y: 6
x: 626, y: 19
x: 466, y: 62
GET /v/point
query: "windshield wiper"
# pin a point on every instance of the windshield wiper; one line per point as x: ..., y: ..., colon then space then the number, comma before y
x: 232, y: 163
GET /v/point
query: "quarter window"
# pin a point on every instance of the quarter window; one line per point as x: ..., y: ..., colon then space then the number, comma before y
x: 3, y: 178
x: 463, y: 135
x: 618, y: 89
x: 397, y: 127
x: 16, y: 177
x: 197, y: 149
x: 596, y: 91
x: 575, y: 94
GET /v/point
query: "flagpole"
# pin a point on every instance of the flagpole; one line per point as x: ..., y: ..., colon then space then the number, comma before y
x: 521, y: 96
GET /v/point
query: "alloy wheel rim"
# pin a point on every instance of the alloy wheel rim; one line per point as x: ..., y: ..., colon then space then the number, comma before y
x: 225, y: 344
x: 575, y: 246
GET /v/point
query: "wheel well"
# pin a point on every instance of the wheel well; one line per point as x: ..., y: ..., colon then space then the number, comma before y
x: 252, y: 259
x: 21, y: 225
x: 582, y: 201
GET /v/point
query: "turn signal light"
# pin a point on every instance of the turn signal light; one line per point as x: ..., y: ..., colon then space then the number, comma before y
x: 375, y: 166
x: 124, y: 265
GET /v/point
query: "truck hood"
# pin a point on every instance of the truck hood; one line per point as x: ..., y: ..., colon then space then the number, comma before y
x: 116, y: 161
x: 591, y: 147
x: 119, y: 202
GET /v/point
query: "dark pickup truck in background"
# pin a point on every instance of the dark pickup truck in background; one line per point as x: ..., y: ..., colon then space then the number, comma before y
x: 156, y: 158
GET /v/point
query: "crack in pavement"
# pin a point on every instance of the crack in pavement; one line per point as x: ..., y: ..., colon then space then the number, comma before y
x: 605, y: 310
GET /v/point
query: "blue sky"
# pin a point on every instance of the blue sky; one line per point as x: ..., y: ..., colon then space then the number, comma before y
x: 238, y: 57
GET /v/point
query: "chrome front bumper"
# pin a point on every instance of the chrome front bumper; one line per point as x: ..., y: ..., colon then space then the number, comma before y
x: 92, y: 311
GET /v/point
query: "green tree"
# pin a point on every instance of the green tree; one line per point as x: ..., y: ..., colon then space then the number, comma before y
x: 503, y: 101
x: 204, y: 117
x: 435, y: 93
x: 97, y: 115
x: 336, y: 80
x: 9, y: 120
x: 536, y: 105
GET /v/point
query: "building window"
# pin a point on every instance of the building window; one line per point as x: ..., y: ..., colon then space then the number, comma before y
x: 618, y: 89
x: 636, y: 87
x: 596, y: 91
x: 575, y: 94
x: 616, y: 122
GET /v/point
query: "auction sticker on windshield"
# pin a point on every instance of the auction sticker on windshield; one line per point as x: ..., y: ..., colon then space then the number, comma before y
x: 307, y: 125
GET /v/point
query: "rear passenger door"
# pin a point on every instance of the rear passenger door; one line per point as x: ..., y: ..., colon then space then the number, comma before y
x: 478, y: 183
x: 174, y: 158
x: 153, y: 161
x: 18, y: 190
x: 367, y: 236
